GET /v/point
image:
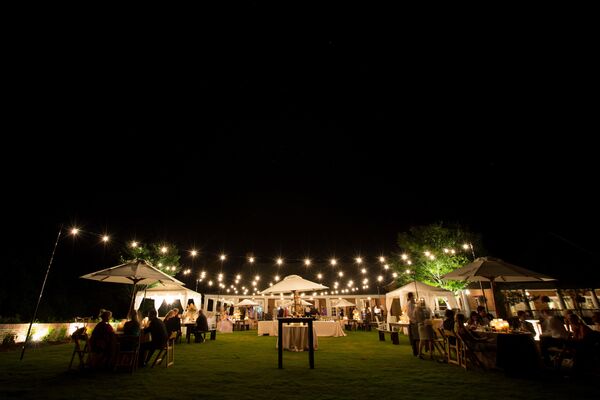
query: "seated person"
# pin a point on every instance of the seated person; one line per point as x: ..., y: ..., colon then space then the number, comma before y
x: 522, y: 324
x: 158, y: 332
x: 173, y: 323
x: 584, y: 342
x: 201, y: 327
x: 132, y: 327
x: 484, y: 316
x: 474, y: 320
x: 448, y: 323
x: 191, y: 312
x: 474, y: 342
x: 103, y: 343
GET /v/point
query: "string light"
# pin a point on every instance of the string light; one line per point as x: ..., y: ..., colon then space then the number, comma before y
x: 306, y: 261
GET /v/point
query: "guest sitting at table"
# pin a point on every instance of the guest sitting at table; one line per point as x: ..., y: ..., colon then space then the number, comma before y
x: 522, y: 324
x: 448, y: 323
x: 201, y: 327
x: 484, y: 316
x: 173, y: 322
x: 485, y: 347
x: 103, y: 343
x: 584, y: 342
x: 474, y: 320
x: 190, y: 312
x: 158, y: 332
x: 132, y: 327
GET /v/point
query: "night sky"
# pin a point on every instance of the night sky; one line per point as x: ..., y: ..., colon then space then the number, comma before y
x: 322, y: 144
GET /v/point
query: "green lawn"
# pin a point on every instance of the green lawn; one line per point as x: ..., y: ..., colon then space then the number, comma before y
x: 241, y: 365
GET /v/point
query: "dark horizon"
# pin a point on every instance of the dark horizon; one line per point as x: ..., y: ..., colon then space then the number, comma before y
x: 333, y: 150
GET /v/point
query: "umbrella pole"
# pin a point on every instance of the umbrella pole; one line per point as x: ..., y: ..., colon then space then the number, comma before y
x: 485, y: 303
x: 131, y: 303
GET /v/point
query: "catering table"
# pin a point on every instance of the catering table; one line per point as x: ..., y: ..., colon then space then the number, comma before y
x: 295, y: 337
x: 300, y: 332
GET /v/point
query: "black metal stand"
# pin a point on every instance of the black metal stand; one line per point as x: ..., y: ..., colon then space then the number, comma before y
x: 311, y: 350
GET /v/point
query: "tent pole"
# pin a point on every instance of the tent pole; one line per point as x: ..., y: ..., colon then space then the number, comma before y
x: 41, y: 293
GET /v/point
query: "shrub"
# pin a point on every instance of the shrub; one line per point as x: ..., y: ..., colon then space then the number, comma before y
x: 56, y: 335
x: 9, y: 339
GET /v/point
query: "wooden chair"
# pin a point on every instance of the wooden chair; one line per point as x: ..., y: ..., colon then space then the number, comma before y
x: 167, y: 352
x: 467, y: 355
x: 451, y: 347
x: 439, y: 343
x: 81, y: 349
x: 128, y: 351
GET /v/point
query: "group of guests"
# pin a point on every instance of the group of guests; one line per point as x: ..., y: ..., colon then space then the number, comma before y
x: 569, y: 333
x: 422, y: 335
x: 103, y: 342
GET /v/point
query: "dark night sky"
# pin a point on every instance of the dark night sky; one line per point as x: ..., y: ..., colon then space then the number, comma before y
x: 330, y: 143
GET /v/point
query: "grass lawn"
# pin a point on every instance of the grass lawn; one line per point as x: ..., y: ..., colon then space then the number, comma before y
x: 242, y: 365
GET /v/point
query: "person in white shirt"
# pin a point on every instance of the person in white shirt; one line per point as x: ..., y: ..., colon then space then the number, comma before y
x: 554, y: 334
x: 413, y: 331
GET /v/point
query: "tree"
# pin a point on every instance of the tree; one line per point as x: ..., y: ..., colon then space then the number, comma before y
x: 434, y: 250
x: 162, y: 256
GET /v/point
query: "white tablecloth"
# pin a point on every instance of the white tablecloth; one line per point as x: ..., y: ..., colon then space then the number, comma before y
x: 295, y: 337
x: 322, y: 328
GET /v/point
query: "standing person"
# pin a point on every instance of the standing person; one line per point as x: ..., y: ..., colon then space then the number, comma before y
x: 158, y: 332
x: 368, y: 314
x: 423, y: 318
x: 413, y: 332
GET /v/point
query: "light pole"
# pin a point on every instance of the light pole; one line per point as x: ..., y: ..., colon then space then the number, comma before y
x: 74, y: 231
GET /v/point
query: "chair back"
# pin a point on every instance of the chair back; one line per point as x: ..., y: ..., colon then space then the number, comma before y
x: 451, y: 346
x: 128, y: 351
x: 81, y: 348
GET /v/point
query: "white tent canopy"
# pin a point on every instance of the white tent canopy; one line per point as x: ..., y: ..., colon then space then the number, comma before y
x: 429, y: 293
x: 168, y: 292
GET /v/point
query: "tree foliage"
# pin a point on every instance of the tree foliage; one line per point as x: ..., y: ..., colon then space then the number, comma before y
x: 444, y: 245
x: 167, y: 262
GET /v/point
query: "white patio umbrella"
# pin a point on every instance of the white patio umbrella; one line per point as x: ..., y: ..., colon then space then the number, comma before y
x: 290, y: 302
x: 344, y: 303
x: 494, y: 270
x: 136, y: 272
x: 294, y: 284
x: 246, y: 302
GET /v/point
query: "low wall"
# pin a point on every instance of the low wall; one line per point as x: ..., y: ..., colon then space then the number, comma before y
x: 39, y: 331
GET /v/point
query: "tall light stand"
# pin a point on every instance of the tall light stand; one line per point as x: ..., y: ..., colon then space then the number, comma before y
x: 41, y: 293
